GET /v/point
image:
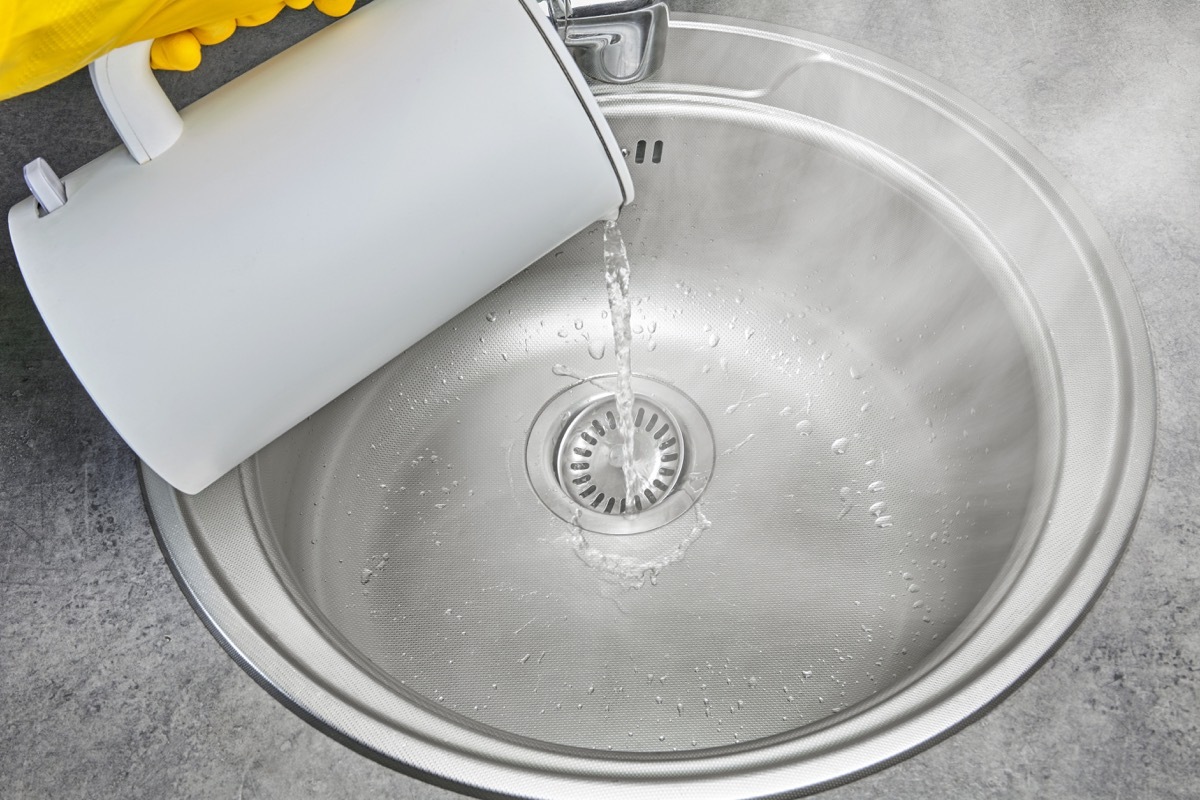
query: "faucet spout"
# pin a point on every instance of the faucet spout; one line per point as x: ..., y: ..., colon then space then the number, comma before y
x: 614, y: 41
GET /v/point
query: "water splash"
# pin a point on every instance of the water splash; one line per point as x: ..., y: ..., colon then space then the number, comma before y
x: 739, y: 445
x: 744, y: 401
x: 371, y: 572
x: 628, y: 571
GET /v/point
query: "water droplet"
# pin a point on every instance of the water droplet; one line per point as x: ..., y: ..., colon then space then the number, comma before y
x: 884, y: 521
x: 804, y: 427
x: 855, y: 373
x: 578, y: 324
x: 785, y: 411
x: 914, y: 588
x: 596, y: 349
x: 749, y: 333
x: 491, y: 316
x: 840, y: 446
x: 714, y: 340
x: 878, y: 508
x: 651, y: 345
x: 875, y: 486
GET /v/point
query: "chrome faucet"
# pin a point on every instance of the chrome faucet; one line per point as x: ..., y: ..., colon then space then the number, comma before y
x: 614, y: 41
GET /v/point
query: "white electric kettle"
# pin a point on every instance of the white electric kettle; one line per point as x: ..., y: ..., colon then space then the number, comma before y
x: 238, y: 265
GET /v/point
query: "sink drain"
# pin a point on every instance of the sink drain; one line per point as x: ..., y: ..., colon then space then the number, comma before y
x: 589, y: 457
x: 573, y: 456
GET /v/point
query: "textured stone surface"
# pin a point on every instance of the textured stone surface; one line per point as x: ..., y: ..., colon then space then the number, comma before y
x: 110, y: 686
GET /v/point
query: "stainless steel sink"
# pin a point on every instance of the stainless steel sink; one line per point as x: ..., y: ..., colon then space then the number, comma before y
x: 900, y: 397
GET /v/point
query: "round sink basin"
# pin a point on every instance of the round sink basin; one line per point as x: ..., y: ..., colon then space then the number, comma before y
x: 894, y: 404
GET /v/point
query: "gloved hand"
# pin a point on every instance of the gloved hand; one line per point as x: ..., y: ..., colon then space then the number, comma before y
x: 44, y: 40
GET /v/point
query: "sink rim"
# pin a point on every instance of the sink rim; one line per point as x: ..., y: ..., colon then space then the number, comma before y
x: 251, y: 646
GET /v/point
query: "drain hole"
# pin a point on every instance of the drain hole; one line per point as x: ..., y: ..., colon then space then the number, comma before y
x: 657, y: 157
x: 592, y: 476
x: 576, y: 469
x: 639, y: 154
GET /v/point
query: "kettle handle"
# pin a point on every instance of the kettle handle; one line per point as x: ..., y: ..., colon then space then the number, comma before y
x: 136, y: 105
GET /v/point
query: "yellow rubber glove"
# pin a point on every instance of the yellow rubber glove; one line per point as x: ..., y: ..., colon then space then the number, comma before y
x: 44, y: 40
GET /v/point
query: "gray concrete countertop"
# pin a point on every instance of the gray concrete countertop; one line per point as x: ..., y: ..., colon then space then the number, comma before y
x: 111, y: 687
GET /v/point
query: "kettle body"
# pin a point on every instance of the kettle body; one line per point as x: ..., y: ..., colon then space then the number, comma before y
x: 313, y: 218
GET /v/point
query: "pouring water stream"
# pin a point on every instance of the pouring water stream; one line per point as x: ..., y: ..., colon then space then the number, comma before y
x: 616, y: 278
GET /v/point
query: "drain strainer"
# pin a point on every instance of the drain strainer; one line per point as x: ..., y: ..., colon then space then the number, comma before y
x: 590, y: 461
x: 573, y: 456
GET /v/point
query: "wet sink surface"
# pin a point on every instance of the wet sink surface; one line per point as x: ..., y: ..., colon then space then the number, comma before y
x: 915, y: 393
